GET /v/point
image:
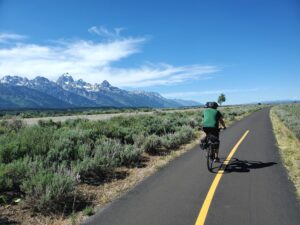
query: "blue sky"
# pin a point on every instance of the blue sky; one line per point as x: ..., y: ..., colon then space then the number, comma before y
x: 249, y: 50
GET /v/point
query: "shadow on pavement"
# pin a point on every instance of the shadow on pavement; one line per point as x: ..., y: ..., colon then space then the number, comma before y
x: 239, y: 166
x: 244, y: 166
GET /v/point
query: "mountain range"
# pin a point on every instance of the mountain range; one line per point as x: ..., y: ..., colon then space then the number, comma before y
x: 20, y: 92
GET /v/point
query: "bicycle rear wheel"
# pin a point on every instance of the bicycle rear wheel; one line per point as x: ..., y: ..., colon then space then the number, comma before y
x: 210, y: 158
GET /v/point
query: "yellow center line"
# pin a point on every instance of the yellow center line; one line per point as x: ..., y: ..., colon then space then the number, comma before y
x: 205, y: 207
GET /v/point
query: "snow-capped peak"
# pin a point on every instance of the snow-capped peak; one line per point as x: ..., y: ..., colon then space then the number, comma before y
x: 65, y: 79
x: 14, y: 80
x: 105, y: 84
x: 149, y: 94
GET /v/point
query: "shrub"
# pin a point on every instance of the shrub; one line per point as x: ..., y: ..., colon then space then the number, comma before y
x: 15, y: 125
x: 29, y: 141
x: 88, y: 211
x: 13, y: 174
x: 113, y: 153
x: 129, y: 155
x: 154, y: 125
x: 35, y: 140
x: 186, y: 134
x: 171, y: 141
x: 107, y: 153
x: 103, y: 158
x: 7, y: 148
x: 138, y: 140
x: 48, y: 191
x: 2, y: 130
x: 152, y: 144
x: 7, y: 126
x: 84, y: 150
x: 72, y: 123
x: 117, y: 131
x: 67, y: 144
x: 49, y: 123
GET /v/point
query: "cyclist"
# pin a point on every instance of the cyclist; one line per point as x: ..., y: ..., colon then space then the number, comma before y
x: 211, y: 119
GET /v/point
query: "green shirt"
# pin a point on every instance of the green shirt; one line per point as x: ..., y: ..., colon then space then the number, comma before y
x: 211, y: 118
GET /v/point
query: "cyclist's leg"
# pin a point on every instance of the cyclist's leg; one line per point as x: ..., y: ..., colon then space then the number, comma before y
x: 204, y: 140
x: 209, y: 131
x: 206, y: 131
x: 217, y: 155
x: 216, y: 133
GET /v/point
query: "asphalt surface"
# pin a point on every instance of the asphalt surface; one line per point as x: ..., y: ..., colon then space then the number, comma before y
x: 254, y: 188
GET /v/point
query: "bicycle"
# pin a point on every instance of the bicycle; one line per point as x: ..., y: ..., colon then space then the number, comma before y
x: 213, y: 145
x: 210, y: 145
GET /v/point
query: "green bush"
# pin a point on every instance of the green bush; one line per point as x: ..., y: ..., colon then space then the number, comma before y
x: 14, y: 125
x: 107, y: 155
x: 171, y: 141
x: 8, y: 146
x: 48, y: 190
x: 88, y: 211
x: 8, y: 126
x: 3, y: 130
x: 186, y: 134
x: 49, y: 123
x: 72, y: 123
x: 67, y: 144
x: 152, y: 144
x: 129, y: 155
x: 29, y: 141
x: 138, y: 140
x: 13, y: 174
x: 84, y: 150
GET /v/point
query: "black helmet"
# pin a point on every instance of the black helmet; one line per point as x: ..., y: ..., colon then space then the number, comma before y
x: 213, y: 105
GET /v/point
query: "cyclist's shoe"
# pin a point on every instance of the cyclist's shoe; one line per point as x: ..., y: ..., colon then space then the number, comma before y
x: 217, y: 159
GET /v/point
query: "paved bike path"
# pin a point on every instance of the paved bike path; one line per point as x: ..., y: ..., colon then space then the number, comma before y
x: 253, y: 190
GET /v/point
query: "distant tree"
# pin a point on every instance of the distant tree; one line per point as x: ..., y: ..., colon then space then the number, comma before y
x: 221, y: 99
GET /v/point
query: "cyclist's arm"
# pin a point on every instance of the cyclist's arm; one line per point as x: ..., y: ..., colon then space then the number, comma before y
x: 222, y: 122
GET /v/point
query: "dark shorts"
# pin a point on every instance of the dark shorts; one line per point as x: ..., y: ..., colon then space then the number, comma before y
x: 211, y: 131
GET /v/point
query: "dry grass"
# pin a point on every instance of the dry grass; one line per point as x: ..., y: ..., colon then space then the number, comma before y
x: 289, y: 146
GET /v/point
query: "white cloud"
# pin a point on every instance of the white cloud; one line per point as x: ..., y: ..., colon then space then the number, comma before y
x: 7, y: 37
x: 160, y: 74
x: 82, y: 58
x: 201, y: 93
x: 93, y: 62
x: 103, y: 31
